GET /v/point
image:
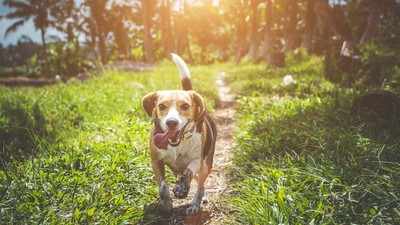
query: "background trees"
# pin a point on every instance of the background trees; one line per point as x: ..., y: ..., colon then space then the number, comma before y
x: 205, y: 31
x: 24, y: 10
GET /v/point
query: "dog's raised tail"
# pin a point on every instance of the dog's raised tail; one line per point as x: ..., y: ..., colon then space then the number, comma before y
x: 184, y: 72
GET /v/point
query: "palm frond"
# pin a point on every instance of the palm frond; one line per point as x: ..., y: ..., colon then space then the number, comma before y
x: 25, y: 38
x: 17, y: 4
x: 22, y: 9
x: 14, y: 27
x: 19, y: 14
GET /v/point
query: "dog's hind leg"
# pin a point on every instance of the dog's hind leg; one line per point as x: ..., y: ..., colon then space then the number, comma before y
x: 195, y: 208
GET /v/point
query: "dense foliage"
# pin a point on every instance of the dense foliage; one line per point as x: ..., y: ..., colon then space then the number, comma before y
x: 206, y: 31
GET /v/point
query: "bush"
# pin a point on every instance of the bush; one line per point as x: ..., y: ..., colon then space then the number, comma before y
x: 377, y: 64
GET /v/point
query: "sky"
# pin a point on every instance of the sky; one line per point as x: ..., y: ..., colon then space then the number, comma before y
x: 27, y: 29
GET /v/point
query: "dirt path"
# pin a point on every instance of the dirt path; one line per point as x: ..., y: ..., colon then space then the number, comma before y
x: 213, y: 212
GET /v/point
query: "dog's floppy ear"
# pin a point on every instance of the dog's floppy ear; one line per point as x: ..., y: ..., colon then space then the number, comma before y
x: 149, y: 102
x: 200, y: 110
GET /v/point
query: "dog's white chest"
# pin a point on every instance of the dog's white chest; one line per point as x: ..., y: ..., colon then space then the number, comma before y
x: 177, y: 158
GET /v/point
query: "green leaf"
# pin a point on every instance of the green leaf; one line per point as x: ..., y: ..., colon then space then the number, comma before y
x: 76, y: 213
x: 372, y: 211
x: 90, y: 212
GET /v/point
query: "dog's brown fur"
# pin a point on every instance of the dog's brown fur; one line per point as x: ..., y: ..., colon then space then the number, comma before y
x: 184, y: 111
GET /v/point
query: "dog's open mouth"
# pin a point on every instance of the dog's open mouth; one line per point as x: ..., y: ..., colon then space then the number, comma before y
x: 171, y: 137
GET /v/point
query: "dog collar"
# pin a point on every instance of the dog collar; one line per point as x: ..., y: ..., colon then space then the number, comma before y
x: 188, y: 134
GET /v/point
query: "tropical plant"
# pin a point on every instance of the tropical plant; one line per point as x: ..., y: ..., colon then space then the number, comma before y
x: 38, y: 10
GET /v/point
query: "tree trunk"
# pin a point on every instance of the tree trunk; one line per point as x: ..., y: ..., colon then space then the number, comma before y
x: 241, y: 32
x: 325, y: 25
x: 45, y: 67
x: 241, y: 41
x: 310, y: 19
x: 102, y: 45
x: 148, y: 51
x: 252, y: 54
x: 372, y: 22
x: 97, y: 25
x: 290, y: 32
x: 182, y: 41
x: 166, y: 37
x: 269, y: 42
x: 43, y: 35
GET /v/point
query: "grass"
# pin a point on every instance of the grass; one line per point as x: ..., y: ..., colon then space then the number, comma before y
x: 91, y: 163
x: 77, y: 153
x: 301, y: 157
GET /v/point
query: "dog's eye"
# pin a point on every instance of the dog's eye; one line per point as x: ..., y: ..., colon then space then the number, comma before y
x: 185, y: 106
x: 161, y: 107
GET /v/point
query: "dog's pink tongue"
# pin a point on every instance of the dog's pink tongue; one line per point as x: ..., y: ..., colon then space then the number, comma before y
x: 161, y: 140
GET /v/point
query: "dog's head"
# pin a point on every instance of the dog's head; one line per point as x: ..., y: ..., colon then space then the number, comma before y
x: 174, y: 109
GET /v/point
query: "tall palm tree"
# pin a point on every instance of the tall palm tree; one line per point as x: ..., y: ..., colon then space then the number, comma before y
x: 38, y: 10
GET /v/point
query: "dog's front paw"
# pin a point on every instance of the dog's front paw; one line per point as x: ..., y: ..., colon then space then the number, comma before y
x: 181, y: 189
x: 194, y: 209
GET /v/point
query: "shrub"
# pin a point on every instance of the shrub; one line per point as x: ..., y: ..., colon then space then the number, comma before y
x: 377, y: 64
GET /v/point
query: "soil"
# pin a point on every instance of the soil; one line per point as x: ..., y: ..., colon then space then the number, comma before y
x: 213, y: 211
x: 18, y: 81
x: 26, y: 81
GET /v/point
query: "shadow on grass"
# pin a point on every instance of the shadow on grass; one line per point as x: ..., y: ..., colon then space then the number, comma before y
x: 23, y: 129
x: 153, y: 217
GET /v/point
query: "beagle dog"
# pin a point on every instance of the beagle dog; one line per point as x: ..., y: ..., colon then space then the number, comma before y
x: 182, y: 137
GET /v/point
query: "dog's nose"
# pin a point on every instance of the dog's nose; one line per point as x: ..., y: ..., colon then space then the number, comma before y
x: 172, y: 123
